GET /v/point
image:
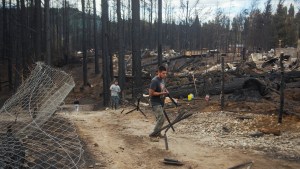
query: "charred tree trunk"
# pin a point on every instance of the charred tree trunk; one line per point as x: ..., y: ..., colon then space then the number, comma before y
x: 121, y: 66
x: 24, y: 39
x: 37, y: 22
x: 18, y: 47
x: 186, y: 45
x: 150, y: 40
x: 88, y: 26
x: 10, y: 48
x: 66, y: 28
x: 136, y: 51
x: 129, y: 27
x: 4, y: 31
x: 97, y: 69
x: 159, y: 33
x: 67, y: 35
x: 222, y: 84
x: 143, y: 32
x: 110, y: 49
x: 84, y: 63
x: 282, y: 86
x: 4, y: 40
x: 105, y: 55
x: 47, y: 33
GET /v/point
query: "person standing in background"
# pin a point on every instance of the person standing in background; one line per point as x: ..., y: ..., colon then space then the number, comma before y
x: 76, y: 103
x: 115, y: 90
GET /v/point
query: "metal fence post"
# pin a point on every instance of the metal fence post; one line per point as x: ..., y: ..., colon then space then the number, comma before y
x: 222, y: 85
x: 282, y: 86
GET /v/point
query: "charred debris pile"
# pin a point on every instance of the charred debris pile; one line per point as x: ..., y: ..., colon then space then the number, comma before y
x: 258, y: 77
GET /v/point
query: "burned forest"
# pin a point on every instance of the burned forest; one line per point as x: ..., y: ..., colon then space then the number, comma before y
x: 149, y: 84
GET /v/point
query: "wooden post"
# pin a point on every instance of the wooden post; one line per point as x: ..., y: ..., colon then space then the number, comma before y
x: 196, y: 92
x: 244, y: 54
x: 222, y: 83
x: 282, y: 86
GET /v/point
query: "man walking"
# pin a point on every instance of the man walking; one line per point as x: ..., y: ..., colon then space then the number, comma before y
x: 157, y: 92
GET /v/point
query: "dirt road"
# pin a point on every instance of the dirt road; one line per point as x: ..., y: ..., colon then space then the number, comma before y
x: 119, y: 141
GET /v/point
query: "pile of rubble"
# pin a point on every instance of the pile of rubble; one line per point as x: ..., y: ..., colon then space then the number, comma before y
x: 256, y: 78
x: 255, y: 132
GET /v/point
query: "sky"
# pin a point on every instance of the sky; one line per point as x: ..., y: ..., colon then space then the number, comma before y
x: 205, y: 9
x: 208, y: 8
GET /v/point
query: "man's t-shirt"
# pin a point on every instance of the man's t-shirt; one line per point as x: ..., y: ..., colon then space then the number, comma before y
x: 158, y: 85
x: 115, y: 89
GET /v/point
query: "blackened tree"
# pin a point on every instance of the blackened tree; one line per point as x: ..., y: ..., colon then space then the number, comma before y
x: 121, y: 46
x: 136, y: 51
x: 105, y: 55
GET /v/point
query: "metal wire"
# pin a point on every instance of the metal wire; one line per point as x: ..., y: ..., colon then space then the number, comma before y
x: 31, y: 135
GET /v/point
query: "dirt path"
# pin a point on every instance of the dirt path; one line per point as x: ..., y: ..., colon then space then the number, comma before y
x: 119, y: 141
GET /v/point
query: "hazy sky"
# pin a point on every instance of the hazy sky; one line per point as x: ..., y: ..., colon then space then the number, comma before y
x: 205, y: 9
x: 208, y: 8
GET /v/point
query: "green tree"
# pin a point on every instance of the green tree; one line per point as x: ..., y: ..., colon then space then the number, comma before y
x: 195, y: 34
x: 279, y: 20
x: 297, y: 21
x: 268, y: 27
x: 255, y: 30
x: 291, y: 27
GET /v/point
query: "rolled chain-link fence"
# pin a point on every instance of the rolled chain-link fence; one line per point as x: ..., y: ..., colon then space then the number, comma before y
x: 31, y: 134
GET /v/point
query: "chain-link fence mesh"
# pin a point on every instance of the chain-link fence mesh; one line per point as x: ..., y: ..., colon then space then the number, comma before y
x: 31, y: 135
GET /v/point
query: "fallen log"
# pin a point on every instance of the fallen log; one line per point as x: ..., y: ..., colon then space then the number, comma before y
x: 293, y: 85
x: 237, y: 84
x: 241, y: 83
x: 186, y: 64
x: 288, y: 76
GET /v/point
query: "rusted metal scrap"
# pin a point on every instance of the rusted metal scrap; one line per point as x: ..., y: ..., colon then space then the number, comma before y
x: 246, y: 165
x: 180, y: 117
x: 137, y: 108
x: 170, y: 161
x: 165, y: 113
x: 168, y: 119
x: 166, y: 141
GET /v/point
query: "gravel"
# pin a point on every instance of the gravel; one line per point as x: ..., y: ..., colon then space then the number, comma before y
x: 228, y: 130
